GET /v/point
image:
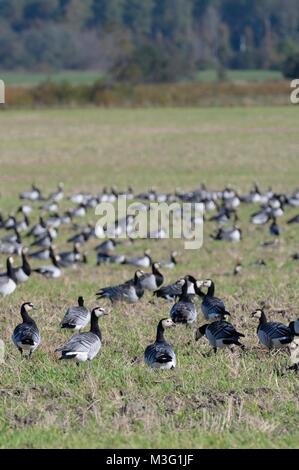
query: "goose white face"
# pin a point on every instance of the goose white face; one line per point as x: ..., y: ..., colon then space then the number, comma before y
x: 207, y: 283
x: 10, y: 259
x: 167, y: 323
x: 199, y: 283
x: 156, y: 265
x: 29, y: 306
x: 181, y: 282
x: 257, y: 313
x: 100, y: 311
x: 139, y: 274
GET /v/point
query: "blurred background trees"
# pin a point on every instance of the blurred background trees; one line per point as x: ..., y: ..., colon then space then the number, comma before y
x: 149, y: 40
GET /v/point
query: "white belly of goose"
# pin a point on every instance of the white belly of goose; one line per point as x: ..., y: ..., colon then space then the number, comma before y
x: 21, y: 275
x: 7, y: 287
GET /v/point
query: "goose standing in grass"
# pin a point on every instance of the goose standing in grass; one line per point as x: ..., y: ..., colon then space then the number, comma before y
x: 220, y: 334
x: 8, y: 281
x: 26, y: 336
x: 51, y: 271
x: 294, y: 355
x: 76, y: 318
x: 106, y: 258
x: 84, y: 346
x: 129, y: 292
x: 152, y: 281
x: 171, y: 263
x: 32, y: 195
x: 69, y: 258
x: 172, y: 291
x: 211, y: 307
x: 23, y: 273
x: 273, y: 335
x: 144, y: 261
x: 106, y: 246
x: 184, y: 310
x: 160, y: 354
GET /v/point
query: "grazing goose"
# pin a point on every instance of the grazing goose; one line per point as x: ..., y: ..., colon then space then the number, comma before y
x: 42, y: 254
x: 25, y: 209
x: 211, y: 307
x: 105, y: 258
x: 129, y: 292
x: 220, y: 334
x: 106, y: 246
x: 68, y: 258
x: 274, y: 228
x: 76, y: 318
x: 172, y: 291
x: 23, y: 273
x: 152, y: 281
x: 144, y: 261
x: 53, y: 270
x: 33, y: 195
x: 160, y: 354
x: 38, y: 229
x: 294, y: 355
x: 171, y: 263
x: 8, y: 281
x: 233, y: 234
x: 273, y: 335
x: 238, y: 268
x: 184, y: 310
x: 26, y: 335
x: 57, y: 195
x: 294, y: 220
x: 44, y: 241
x: 84, y: 346
x: 261, y: 217
x: 11, y: 244
x: 294, y: 327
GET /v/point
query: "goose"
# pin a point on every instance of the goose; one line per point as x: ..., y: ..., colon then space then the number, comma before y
x: 25, y: 209
x: 105, y: 258
x: 274, y: 228
x: 26, y: 336
x: 171, y: 263
x: 295, y: 256
x: 172, y: 291
x: 261, y: 217
x: 57, y: 195
x: 294, y: 220
x: 152, y: 281
x: 38, y: 229
x: 79, y: 211
x: 160, y: 354
x: 23, y: 273
x: 238, y: 268
x: 273, y: 335
x: 220, y: 334
x: 8, y: 281
x: 129, y: 292
x: 84, y: 346
x: 106, y: 246
x: 11, y: 244
x: 83, y: 236
x: 233, y: 234
x: 294, y: 355
x: 44, y: 241
x: 42, y: 254
x: 53, y: 270
x: 10, y: 222
x: 51, y: 207
x: 211, y: 307
x: 294, y: 327
x: 76, y: 318
x: 184, y: 310
x: 23, y: 225
x: 144, y: 261
x: 68, y: 258
x: 33, y: 195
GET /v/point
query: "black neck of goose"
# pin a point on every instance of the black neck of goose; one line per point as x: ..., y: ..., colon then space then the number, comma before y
x: 81, y: 302
x: 94, y: 325
x: 172, y: 259
x: 25, y: 265
x: 160, y: 332
x: 158, y: 275
x: 211, y: 289
x: 10, y: 272
x: 25, y: 315
x: 184, y: 295
x: 54, y: 260
x: 263, y: 318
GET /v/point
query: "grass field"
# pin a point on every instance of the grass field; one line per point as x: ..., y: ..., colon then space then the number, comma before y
x: 229, y: 400
x: 89, y: 77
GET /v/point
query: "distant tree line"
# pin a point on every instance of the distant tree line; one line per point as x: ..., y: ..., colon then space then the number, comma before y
x: 148, y: 40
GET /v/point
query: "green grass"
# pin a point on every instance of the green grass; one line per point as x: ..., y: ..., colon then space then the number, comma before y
x: 89, y: 77
x: 31, y: 79
x: 229, y: 400
x: 210, y: 75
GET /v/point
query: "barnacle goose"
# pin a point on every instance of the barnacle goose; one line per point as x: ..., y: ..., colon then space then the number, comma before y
x: 129, y: 292
x: 220, y: 334
x: 273, y: 335
x: 144, y: 261
x: 76, y: 318
x: 44, y: 241
x: 23, y: 273
x: 171, y: 263
x: 211, y: 307
x: 8, y: 281
x: 233, y: 234
x: 294, y: 326
x: 106, y: 258
x: 172, y: 291
x: 42, y: 254
x: 57, y: 195
x: 11, y: 244
x: 68, y: 258
x: 53, y: 270
x: 84, y: 346
x: 26, y: 336
x: 106, y: 246
x: 32, y: 195
x: 152, y: 281
x: 160, y: 354
x: 184, y: 310
x: 294, y: 355
x: 38, y: 229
